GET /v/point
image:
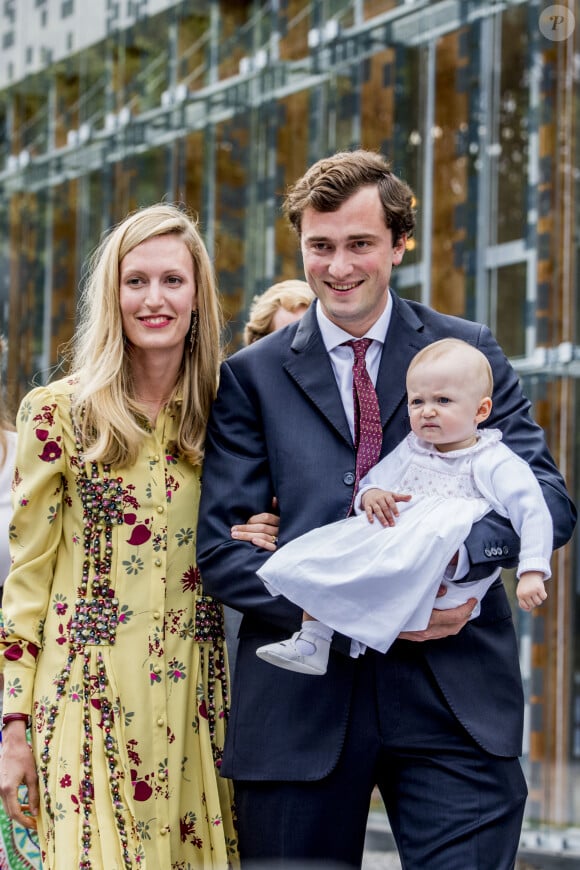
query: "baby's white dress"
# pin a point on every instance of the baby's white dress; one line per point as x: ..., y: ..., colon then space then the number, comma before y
x: 371, y: 582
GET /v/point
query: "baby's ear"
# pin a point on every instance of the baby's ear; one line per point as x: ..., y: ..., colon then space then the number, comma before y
x: 484, y: 409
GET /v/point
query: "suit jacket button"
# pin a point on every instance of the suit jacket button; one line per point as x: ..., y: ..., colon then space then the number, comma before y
x: 348, y: 478
x: 487, y: 552
x: 506, y: 550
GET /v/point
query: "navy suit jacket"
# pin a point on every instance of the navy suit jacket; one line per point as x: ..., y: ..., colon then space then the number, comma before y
x: 278, y: 427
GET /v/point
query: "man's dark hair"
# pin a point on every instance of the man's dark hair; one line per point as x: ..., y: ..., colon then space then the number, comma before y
x: 332, y: 180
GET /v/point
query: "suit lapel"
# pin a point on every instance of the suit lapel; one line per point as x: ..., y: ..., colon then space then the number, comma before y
x: 312, y: 371
x: 402, y: 342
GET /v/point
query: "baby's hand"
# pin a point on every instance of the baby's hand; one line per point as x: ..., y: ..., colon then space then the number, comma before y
x: 531, y: 590
x: 382, y: 504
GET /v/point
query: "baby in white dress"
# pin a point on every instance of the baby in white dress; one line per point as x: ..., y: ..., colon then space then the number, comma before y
x: 372, y: 580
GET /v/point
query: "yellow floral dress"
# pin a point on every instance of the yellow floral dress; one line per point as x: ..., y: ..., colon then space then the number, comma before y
x: 111, y: 646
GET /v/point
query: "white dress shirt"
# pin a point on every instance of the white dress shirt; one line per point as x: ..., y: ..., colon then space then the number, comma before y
x: 342, y: 358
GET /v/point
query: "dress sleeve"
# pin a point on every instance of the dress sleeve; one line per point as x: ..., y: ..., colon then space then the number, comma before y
x: 36, y: 527
x: 511, y: 414
x: 513, y: 491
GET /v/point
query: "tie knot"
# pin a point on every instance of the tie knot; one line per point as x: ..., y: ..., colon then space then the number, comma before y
x: 360, y: 347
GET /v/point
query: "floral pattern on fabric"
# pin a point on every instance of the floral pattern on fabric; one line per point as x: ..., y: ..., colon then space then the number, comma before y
x: 111, y: 644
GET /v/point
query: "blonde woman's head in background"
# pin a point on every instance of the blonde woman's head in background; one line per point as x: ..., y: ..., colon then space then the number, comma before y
x: 279, y: 305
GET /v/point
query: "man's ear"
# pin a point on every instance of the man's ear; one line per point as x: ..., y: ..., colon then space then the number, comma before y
x: 399, y: 249
x: 484, y: 409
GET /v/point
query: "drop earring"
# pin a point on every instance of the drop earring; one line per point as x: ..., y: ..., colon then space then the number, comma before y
x: 193, y: 329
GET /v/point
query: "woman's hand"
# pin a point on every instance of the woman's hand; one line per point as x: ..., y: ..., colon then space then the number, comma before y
x: 16, y: 768
x: 261, y: 530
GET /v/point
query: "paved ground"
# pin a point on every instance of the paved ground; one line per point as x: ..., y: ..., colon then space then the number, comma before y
x: 381, y: 861
x: 380, y: 851
x: 390, y: 861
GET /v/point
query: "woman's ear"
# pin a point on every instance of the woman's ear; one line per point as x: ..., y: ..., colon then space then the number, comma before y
x: 484, y: 409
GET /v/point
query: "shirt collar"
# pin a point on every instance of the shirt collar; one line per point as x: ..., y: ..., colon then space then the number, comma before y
x: 333, y: 335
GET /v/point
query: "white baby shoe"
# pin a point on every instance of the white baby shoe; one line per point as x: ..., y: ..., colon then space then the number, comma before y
x: 287, y: 655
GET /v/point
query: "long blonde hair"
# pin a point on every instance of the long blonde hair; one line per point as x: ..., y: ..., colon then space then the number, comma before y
x: 105, y: 406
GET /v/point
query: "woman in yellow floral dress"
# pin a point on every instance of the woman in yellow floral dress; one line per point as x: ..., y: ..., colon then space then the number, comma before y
x: 110, y: 647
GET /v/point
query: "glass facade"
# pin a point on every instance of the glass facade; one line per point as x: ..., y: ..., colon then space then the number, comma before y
x: 221, y: 104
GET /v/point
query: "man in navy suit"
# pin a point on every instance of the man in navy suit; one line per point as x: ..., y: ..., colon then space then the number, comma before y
x: 436, y: 722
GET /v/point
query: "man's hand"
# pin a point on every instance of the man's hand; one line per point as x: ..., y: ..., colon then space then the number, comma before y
x: 443, y: 623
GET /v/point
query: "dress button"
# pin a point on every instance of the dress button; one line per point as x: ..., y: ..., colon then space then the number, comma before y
x: 158, y: 562
x: 157, y: 669
x: 162, y: 776
x: 161, y: 722
x: 156, y: 458
x: 156, y: 614
x: 348, y: 478
x: 164, y: 830
x: 160, y: 509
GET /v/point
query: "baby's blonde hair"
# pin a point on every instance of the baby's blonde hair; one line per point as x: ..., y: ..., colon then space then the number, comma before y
x: 291, y: 295
x: 480, y: 367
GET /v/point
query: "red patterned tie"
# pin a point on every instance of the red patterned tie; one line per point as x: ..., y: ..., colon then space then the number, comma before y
x: 368, y: 432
